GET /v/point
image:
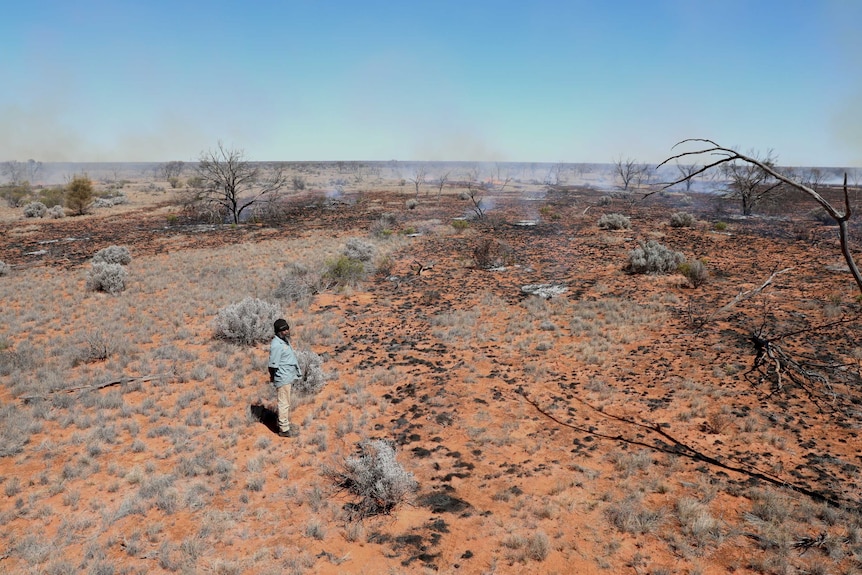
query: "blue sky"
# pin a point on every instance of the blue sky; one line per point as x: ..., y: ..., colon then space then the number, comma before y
x: 578, y: 81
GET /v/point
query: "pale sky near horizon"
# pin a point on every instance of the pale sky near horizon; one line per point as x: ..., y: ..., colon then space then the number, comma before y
x: 544, y: 81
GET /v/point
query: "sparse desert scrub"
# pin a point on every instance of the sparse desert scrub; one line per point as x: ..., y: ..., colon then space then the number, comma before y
x: 491, y: 253
x: 384, y: 226
x: 313, y: 378
x: 5, y: 269
x: 299, y: 283
x: 344, y: 271
x: 614, y: 222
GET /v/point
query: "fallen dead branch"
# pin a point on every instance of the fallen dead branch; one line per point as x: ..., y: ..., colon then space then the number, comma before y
x: 96, y: 386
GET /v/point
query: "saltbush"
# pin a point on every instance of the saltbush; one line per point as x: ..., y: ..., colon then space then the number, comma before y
x: 376, y: 478
x: 247, y: 322
x: 313, y: 378
x: 107, y: 277
x: 412, y: 203
x: 56, y: 212
x: 298, y: 284
x: 654, y: 258
x: 614, y: 222
x: 605, y: 200
x: 113, y: 255
x: 361, y: 250
x: 35, y: 210
x: 681, y: 220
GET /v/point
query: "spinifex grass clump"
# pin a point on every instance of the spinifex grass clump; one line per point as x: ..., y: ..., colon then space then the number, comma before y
x: 654, y: 258
x: 345, y: 271
x: 695, y: 272
x: 247, y: 322
x: 375, y: 477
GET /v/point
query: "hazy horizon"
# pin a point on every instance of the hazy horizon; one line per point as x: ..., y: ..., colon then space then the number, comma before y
x: 572, y: 82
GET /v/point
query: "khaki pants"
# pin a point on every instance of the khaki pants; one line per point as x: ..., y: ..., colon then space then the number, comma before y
x: 284, y: 407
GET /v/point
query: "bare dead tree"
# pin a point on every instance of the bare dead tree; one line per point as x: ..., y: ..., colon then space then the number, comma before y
x: 749, y: 183
x: 15, y: 171
x: 629, y: 172
x: 234, y: 183
x: 687, y: 171
x: 727, y: 156
x: 419, y: 175
x: 172, y: 169
x: 441, y: 183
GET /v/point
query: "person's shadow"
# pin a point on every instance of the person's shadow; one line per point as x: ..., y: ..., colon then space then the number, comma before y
x: 265, y: 416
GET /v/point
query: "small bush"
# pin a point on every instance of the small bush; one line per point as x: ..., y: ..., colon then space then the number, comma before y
x: 113, y: 255
x: 298, y: 284
x: 107, y: 277
x: 695, y: 272
x: 614, y: 222
x: 15, y: 194
x: 605, y: 200
x: 35, y: 210
x: 360, y: 250
x: 681, y: 220
x: 491, y: 253
x: 460, y: 224
x: 412, y: 203
x: 5, y: 269
x: 654, y: 258
x: 345, y: 271
x: 719, y: 226
x: 375, y: 477
x: 56, y: 212
x: 299, y: 183
x: 311, y: 366
x: 79, y: 195
x: 247, y: 322
x: 384, y: 225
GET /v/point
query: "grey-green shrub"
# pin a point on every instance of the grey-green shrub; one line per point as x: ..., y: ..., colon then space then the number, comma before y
x: 681, y: 220
x: 359, y: 249
x: 311, y: 365
x: 605, y: 201
x: 107, y: 277
x: 376, y: 477
x: 35, y: 210
x: 56, y: 212
x: 5, y: 269
x: 412, y: 203
x: 247, y: 322
x: 654, y: 258
x: 113, y: 255
x: 614, y: 222
x: 298, y: 284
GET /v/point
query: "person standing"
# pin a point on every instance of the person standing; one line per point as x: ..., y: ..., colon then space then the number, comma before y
x: 283, y: 371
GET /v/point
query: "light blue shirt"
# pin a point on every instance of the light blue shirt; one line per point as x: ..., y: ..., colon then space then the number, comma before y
x: 283, y: 359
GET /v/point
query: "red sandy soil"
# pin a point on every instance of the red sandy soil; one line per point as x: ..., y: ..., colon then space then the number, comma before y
x: 518, y: 431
